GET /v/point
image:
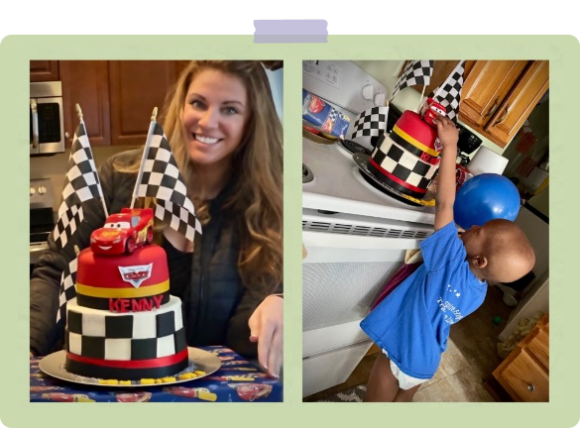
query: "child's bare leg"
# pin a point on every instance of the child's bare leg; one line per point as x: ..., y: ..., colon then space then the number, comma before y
x: 382, y: 385
x: 406, y: 394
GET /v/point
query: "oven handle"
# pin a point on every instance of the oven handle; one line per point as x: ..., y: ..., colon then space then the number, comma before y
x: 36, y: 250
x: 35, y: 131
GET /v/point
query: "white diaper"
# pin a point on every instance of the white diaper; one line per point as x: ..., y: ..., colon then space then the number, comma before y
x: 405, y: 381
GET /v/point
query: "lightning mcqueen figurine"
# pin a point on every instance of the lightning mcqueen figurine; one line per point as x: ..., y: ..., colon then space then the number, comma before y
x: 431, y: 110
x: 123, y: 232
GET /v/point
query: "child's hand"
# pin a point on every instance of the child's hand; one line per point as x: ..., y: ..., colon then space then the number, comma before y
x: 447, y: 132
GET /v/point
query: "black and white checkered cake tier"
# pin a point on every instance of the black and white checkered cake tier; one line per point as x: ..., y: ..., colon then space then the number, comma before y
x: 403, y: 164
x: 126, y: 336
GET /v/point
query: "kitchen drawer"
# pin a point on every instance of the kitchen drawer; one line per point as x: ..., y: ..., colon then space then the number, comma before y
x: 524, y: 374
x: 526, y: 378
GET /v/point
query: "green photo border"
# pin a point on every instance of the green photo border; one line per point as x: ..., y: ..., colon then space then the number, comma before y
x: 563, y: 54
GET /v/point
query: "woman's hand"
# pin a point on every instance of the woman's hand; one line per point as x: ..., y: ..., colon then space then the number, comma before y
x: 266, y: 327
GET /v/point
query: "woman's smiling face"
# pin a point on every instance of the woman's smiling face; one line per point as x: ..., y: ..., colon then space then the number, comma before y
x: 214, y: 116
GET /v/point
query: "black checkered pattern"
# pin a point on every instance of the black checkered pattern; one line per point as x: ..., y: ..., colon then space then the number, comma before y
x: 403, y: 164
x: 115, y: 338
x: 449, y: 93
x: 162, y: 180
x: 81, y: 184
x: 417, y: 72
x: 67, y: 224
x: 67, y: 289
x: 371, y: 122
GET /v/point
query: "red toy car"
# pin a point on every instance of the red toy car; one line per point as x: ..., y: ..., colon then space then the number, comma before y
x: 123, y: 232
x: 431, y: 110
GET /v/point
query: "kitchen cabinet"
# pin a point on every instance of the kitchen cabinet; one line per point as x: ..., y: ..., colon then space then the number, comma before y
x: 86, y: 83
x: 116, y: 97
x: 135, y: 87
x: 524, y: 374
x: 497, y: 96
x: 44, y: 71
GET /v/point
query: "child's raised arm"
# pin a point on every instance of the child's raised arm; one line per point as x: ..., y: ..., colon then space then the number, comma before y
x: 448, y: 135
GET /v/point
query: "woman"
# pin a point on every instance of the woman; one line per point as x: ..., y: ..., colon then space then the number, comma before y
x: 223, y: 129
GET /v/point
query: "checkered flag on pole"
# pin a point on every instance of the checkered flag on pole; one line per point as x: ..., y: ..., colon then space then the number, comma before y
x: 67, y: 289
x: 449, y: 93
x: 417, y: 72
x: 160, y: 178
x: 371, y: 122
x: 81, y: 184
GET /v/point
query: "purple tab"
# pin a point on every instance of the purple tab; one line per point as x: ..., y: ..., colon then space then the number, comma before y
x: 290, y: 31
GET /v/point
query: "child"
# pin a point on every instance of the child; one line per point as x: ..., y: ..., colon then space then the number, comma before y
x: 411, y: 325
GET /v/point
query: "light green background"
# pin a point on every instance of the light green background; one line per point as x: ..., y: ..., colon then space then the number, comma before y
x: 564, y: 55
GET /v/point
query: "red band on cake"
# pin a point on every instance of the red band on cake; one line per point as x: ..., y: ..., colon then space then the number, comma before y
x: 396, y: 179
x: 135, y: 364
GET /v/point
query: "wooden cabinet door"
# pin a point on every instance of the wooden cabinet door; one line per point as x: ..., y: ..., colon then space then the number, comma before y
x: 86, y: 83
x: 44, y: 71
x: 520, y: 102
x: 180, y: 66
x: 136, y: 87
x: 485, y: 88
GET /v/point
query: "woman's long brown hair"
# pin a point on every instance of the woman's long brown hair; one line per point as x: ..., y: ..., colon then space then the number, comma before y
x: 257, y: 165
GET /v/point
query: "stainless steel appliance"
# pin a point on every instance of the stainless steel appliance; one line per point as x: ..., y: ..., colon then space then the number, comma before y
x: 46, y: 118
x: 355, y: 235
x: 41, y: 217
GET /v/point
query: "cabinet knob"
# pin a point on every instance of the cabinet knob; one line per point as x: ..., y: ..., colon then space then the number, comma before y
x: 531, y: 388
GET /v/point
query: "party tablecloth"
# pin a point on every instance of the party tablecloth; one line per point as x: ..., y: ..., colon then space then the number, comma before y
x: 237, y: 380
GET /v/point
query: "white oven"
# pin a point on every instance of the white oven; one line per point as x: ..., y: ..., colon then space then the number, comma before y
x: 356, y: 237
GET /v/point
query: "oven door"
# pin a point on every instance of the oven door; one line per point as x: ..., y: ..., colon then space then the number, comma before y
x: 348, y: 262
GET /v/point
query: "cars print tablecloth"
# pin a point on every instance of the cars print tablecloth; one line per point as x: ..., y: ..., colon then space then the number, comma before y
x: 237, y: 380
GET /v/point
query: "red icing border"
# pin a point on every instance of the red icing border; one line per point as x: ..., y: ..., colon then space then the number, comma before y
x: 135, y: 364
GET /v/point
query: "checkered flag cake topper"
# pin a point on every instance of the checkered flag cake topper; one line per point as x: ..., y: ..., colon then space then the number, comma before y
x: 449, y: 93
x: 67, y: 289
x: 81, y: 184
x: 371, y: 123
x: 417, y: 72
x: 160, y: 178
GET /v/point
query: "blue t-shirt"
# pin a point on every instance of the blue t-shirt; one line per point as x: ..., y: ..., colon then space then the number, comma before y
x: 412, y: 323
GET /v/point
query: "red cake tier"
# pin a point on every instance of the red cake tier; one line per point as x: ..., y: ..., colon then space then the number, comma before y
x: 125, y: 283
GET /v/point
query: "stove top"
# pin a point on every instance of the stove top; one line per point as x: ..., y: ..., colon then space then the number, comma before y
x: 339, y: 187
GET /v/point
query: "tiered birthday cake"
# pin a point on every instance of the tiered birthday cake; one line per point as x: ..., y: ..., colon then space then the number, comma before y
x: 123, y: 324
x: 408, y: 157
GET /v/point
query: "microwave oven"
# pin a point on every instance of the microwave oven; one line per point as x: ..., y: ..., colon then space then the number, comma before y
x: 46, y: 118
